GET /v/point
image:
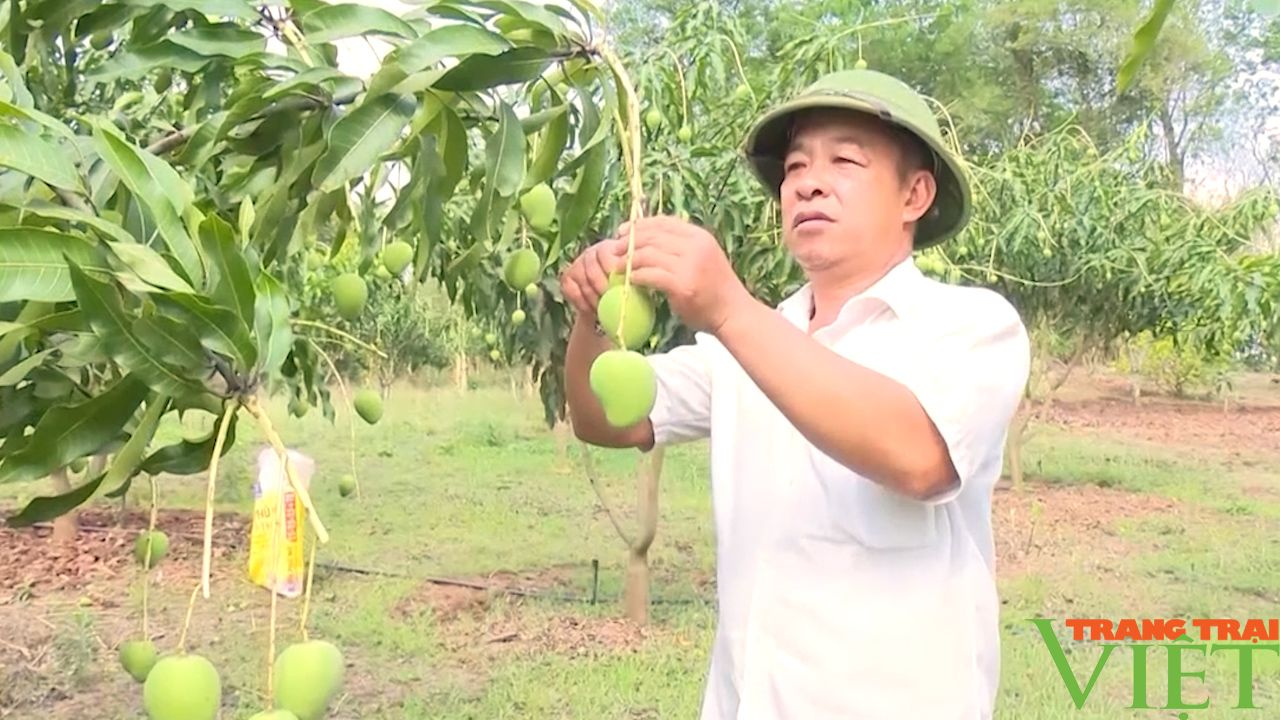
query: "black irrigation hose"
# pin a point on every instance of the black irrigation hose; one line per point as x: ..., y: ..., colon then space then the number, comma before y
x: 593, y: 599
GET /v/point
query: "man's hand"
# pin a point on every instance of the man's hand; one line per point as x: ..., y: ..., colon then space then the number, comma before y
x: 587, y: 277
x: 686, y: 264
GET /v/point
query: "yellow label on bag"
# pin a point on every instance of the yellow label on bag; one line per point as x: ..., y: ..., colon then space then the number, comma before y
x: 276, y: 558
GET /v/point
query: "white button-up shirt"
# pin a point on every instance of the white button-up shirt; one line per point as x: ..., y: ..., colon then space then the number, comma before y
x: 838, y: 597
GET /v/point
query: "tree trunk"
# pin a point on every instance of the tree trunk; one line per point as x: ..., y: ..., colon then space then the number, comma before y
x: 635, y: 592
x: 1013, y: 448
x: 460, y: 371
x: 635, y: 595
x: 562, y: 432
x: 1175, y: 151
x: 530, y: 387
x: 386, y: 378
x: 67, y: 525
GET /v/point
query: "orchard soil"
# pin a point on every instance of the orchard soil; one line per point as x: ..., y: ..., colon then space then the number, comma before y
x: 415, y: 587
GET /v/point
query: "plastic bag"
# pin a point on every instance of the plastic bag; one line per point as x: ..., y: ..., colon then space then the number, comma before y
x: 276, y: 559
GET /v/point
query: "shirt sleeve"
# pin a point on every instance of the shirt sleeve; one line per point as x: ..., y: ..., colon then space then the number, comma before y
x: 682, y: 409
x: 970, y: 379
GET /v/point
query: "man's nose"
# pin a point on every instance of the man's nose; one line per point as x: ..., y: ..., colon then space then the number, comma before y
x: 809, y: 185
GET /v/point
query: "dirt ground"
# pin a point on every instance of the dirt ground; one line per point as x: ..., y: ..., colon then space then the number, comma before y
x: 1045, y: 528
x: 1241, y: 429
x: 102, y: 556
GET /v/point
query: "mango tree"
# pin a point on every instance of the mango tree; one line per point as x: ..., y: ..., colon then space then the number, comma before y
x: 168, y: 166
x: 1094, y: 249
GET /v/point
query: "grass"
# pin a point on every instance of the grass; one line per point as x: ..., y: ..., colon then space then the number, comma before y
x: 467, y: 485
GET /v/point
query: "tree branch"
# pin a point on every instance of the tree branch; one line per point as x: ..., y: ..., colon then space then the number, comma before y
x: 595, y: 485
x: 173, y: 140
x: 71, y: 200
x: 303, y: 103
x: 650, y: 471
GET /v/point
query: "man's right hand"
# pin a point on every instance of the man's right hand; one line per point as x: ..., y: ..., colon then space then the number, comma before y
x: 587, y: 277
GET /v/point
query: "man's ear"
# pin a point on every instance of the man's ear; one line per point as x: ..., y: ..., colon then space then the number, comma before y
x: 921, y: 191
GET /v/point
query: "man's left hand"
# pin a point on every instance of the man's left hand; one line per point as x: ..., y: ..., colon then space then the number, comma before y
x: 687, y: 264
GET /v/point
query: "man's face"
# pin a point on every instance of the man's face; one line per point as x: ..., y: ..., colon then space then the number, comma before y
x: 844, y: 195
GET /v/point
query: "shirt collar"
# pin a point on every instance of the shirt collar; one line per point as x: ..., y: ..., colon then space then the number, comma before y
x: 898, y: 289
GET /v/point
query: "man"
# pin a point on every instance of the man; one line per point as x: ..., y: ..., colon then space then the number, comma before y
x: 856, y: 430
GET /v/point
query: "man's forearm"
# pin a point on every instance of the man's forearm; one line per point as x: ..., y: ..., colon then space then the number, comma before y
x: 860, y: 418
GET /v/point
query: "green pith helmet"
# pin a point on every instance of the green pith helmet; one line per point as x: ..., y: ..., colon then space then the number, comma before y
x: 884, y: 97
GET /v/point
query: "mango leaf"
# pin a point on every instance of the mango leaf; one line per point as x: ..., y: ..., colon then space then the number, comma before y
x: 107, y: 16
x: 220, y: 329
x: 357, y: 140
x: 550, y: 149
x: 444, y: 42
x: 172, y: 340
x: 31, y: 313
x: 17, y: 83
x: 47, y: 507
x: 33, y: 264
x: 19, y: 371
x: 506, y: 153
x: 306, y: 81
x: 37, y: 157
x: 221, y: 8
x: 335, y: 22
x: 81, y: 349
x: 174, y: 186
x: 124, y: 465
x: 149, y: 266
x: 58, y: 14
x: 504, y: 171
x: 120, y: 491
x: 534, y: 122
x: 1144, y: 39
x: 272, y: 61
x: 275, y: 335
x: 576, y: 209
x: 104, y: 310
x: 408, y: 197
x: 32, y: 115
x: 69, y: 431
x: 481, y: 72
x: 188, y: 458
x: 244, y: 219
x: 594, y: 128
x: 246, y: 102
x: 155, y: 188
x: 225, y: 39
x: 51, y: 211
x: 228, y: 270
x: 526, y: 11
x: 139, y: 62
x: 589, y: 9
x: 155, y: 184
x: 450, y: 142
x: 203, y: 143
